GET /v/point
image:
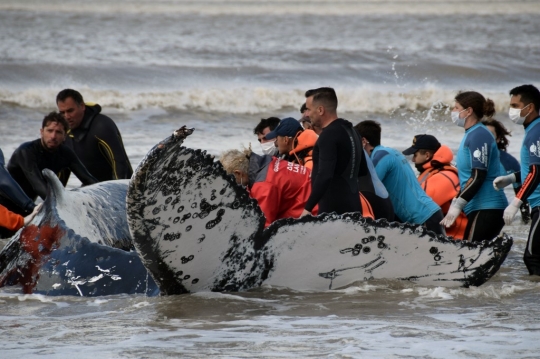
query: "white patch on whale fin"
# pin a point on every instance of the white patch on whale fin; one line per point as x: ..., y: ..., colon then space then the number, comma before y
x: 333, y: 251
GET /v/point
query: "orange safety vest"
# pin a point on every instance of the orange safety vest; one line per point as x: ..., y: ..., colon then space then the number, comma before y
x: 442, y: 185
x: 306, y: 140
x: 367, y: 210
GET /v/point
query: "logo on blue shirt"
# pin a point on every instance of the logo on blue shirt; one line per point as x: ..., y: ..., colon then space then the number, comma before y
x: 535, y: 149
x: 481, y: 154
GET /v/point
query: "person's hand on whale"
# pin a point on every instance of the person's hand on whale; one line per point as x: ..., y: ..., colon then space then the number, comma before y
x: 31, y: 216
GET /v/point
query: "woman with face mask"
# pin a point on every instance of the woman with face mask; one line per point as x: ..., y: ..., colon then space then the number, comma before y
x: 478, y: 165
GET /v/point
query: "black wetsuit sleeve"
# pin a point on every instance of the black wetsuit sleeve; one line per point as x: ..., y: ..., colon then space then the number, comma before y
x: 325, y: 171
x: 473, y: 185
x: 78, y: 169
x: 518, y: 180
x: 111, y: 146
x: 12, y: 190
x: 531, y: 183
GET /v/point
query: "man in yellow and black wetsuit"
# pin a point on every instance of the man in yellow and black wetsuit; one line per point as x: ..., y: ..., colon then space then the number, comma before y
x: 94, y: 137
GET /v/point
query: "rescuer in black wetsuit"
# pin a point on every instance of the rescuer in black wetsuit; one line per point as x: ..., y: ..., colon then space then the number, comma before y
x: 32, y: 157
x: 94, y: 137
x: 336, y: 157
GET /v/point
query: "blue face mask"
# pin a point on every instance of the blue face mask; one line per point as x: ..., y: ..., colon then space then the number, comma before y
x: 457, y: 120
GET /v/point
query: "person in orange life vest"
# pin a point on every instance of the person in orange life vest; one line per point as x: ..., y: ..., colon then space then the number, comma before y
x: 294, y: 142
x: 280, y: 187
x: 13, y: 221
x: 438, y: 178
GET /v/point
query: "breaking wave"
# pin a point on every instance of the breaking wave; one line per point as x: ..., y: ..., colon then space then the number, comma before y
x: 254, y: 7
x: 245, y: 100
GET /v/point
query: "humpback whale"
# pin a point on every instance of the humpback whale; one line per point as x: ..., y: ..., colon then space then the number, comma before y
x: 78, y: 244
x: 197, y: 230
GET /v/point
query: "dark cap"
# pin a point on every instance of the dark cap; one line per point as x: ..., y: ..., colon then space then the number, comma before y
x: 287, y: 127
x: 423, y: 142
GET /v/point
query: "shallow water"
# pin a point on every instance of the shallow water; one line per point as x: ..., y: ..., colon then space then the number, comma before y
x: 220, y: 66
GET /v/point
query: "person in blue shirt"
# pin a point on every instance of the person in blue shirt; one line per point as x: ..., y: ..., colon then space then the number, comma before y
x: 411, y: 204
x: 524, y: 105
x: 509, y: 164
x: 478, y: 165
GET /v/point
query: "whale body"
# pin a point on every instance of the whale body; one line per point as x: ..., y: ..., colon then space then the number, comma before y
x: 78, y: 244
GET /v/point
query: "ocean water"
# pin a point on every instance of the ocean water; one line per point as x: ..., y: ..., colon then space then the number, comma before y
x: 221, y: 66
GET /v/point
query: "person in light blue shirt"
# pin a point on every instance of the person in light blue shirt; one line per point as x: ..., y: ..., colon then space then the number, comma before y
x: 411, y: 204
x: 509, y: 164
x: 478, y: 165
x: 524, y: 106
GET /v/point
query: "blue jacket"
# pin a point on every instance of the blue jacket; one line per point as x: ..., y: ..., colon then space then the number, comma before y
x: 411, y: 203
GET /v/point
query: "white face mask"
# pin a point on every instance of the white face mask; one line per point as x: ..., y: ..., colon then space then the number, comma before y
x: 268, y: 148
x: 457, y: 120
x: 514, y: 114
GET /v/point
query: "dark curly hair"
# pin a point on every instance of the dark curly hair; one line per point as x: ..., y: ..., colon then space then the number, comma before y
x: 501, y: 131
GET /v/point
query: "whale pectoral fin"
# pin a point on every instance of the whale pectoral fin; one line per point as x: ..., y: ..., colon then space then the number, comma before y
x: 188, y: 217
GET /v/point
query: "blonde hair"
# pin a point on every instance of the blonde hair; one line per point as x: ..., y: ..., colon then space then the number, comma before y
x: 233, y: 160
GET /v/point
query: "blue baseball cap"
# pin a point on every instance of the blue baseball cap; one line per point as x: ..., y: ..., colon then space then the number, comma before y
x: 422, y: 142
x: 287, y: 127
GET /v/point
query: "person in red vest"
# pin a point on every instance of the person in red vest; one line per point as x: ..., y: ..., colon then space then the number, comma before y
x: 438, y: 178
x: 280, y: 187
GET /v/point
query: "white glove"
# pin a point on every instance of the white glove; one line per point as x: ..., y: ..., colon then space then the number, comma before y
x: 503, y: 181
x: 511, y: 210
x: 31, y: 216
x: 453, y: 212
